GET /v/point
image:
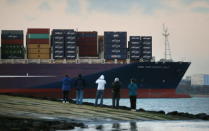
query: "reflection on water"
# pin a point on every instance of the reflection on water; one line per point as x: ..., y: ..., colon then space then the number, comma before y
x: 133, y: 126
x: 149, y: 126
x: 116, y: 126
x: 189, y: 105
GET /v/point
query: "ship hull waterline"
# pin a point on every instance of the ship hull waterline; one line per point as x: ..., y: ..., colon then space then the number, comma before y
x: 155, y: 79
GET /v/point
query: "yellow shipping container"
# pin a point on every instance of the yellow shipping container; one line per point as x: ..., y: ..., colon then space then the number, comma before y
x: 38, y: 50
x: 29, y: 46
x: 38, y: 56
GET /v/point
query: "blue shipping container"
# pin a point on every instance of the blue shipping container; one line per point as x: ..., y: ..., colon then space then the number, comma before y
x: 70, y: 43
x: 70, y: 38
x: 58, y: 47
x: 57, y: 32
x: 70, y: 56
x: 115, y: 34
x: 11, y: 36
x: 58, y: 42
x: 58, y: 56
x: 111, y: 41
x: 135, y: 38
x: 58, y: 38
x: 146, y: 38
x: 70, y: 47
x: 134, y: 57
x: 115, y: 46
x: 112, y: 57
x: 135, y: 43
x: 70, y: 51
x: 58, y: 51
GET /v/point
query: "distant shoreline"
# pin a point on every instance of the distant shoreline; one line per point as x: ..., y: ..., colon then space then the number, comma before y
x: 206, y: 96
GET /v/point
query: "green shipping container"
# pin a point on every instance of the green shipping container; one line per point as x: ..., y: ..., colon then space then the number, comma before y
x: 12, y: 52
x: 12, y: 46
x: 38, y: 36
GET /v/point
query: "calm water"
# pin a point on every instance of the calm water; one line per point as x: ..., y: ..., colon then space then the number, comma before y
x: 149, y: 126
x: 190, y: 105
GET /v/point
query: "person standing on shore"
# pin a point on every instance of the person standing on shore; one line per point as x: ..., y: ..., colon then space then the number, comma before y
x: 80, y: 85
x: 132, y: 91
x: 116, y: 85
x: 101, y: 82
x: 66, y: 85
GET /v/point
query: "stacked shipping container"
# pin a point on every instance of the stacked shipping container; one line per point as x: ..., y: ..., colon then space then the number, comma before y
x: 70, y: 44
x: 12, y: 44
x: 87, y: 42
x: 110, y: 46
x: 135, y: 46
x: 57, y: 41
x: 115, y: 45
x: 64, y: 44
x: 38, y: 46
x: 101, y: 46
x: 146, y: 48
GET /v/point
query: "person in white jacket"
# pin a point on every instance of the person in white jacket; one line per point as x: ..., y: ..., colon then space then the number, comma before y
x: 101, y: 82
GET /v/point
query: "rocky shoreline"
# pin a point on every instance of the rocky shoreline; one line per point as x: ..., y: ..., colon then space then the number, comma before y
x: 26, y: 124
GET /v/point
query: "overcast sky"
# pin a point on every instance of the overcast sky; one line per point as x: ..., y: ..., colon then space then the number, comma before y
x: 187, y: 22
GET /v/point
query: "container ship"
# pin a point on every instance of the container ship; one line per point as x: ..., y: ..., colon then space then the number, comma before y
x: 37, y: 69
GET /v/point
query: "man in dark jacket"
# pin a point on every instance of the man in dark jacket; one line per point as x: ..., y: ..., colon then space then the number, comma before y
x: 80, y: 85
x: 116, y: 85
x: 66, y: 82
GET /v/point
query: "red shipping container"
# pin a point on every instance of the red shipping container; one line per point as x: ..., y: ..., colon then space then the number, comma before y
x: 38, y: 30
x: 83, y: 39
x: 19, y: 42
x: 87, y: 45
x: 88, y: 49
x: 87, y: 39
x: 37, y: 41
x: 88, y: 53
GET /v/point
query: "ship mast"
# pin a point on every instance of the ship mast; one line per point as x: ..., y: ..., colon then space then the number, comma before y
x: 167, y: 46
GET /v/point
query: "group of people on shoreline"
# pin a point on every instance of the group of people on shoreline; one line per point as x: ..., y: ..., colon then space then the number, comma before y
x: 80, y: 85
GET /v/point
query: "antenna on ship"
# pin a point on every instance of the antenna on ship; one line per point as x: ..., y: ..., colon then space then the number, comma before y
x: 167, y: 46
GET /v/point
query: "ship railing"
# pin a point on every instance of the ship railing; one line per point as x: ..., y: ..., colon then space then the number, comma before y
x: 62, y: 61
x: 77, y: 61
x: 12, y: 61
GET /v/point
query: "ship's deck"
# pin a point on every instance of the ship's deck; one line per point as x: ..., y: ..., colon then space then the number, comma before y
x: 90, y: 60
x: 62, y: 61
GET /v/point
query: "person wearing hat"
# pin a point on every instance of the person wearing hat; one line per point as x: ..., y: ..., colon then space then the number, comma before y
x: 116, y: 85
x: 101, y: 82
